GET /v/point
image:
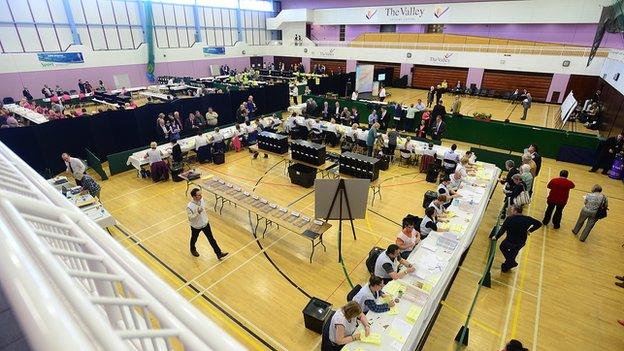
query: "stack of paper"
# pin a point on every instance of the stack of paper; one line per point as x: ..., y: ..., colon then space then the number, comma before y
x: 372, y: 338
x: 413, y: 313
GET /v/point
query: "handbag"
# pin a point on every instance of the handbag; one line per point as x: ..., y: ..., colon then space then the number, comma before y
x: 522, y: 199
x: 602, y: 210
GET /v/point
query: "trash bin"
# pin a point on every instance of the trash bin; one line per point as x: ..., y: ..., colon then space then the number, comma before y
x: 315, y: 313
x: 302, y: 175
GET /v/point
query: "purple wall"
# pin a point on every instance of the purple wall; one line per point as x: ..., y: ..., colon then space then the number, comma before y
x: 351, y: 65
x: 558, y: 83
x: 68, y: 78
x: 352, y: 32
x: 326, y: 4
x: 324, y: 33
x: 571, y: 34
x: 475, y: 76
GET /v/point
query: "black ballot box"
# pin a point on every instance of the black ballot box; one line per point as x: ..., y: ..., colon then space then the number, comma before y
x: 315, y: 313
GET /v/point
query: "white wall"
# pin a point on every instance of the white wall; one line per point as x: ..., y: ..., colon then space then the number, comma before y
x: 513, y: 62
x: 528, y: 11
x: 614, y: 65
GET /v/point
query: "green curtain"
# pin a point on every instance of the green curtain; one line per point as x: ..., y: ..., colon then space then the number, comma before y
x: 149, y: 40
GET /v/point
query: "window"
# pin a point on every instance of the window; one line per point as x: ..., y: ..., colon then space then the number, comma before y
x: 342, y: 32
x: 435, y: 28
x: 387, y: 28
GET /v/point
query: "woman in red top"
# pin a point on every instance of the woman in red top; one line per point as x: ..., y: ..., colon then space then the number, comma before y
x: 557, y: 198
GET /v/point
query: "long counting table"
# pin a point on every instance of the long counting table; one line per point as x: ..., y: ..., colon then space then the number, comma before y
x: 29, y: 114
x: 436, y: 259
x: 267, y: 211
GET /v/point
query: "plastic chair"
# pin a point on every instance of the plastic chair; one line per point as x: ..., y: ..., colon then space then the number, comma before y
x: 356, y: 289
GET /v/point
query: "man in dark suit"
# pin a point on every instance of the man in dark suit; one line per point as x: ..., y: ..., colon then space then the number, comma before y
x: 610, y: 148
x: 438, y: 129
x: 27, y: 94
x: 438, y: 110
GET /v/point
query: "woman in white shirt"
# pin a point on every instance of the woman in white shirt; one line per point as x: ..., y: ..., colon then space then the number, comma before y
x: 382, y: 94
x: 153, y: 155
x: 407, y: 239
x: 343, y: 325
x: 440, y: 210
x: 354, y: 95
x: 158, y: 168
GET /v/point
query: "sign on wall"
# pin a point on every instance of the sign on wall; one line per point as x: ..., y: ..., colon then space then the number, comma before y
x: 364, y: 78
x: 214, y: 50
x: 50, y: 59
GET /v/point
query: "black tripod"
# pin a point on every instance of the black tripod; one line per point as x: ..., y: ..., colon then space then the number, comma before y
x: 341, y: 191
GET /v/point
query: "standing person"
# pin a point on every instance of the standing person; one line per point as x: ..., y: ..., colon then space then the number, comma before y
x: 526, y: 105
x: 46, y: 91
x: 198, y: 219
x: 355, y: 116
x: 397, y: 110
x: 393, y: 136
x: 593, y: 201
x: 26, y: 93
x: 430, y: 96
x: 295, y: 92
x: 345, y: 116
x: 368, y: 295
x: 537, y: 158
x: 517, y: 226
x: 557, y: 198
x: 251, y: 107
x: 343, y: 327
x: 81, y: 87
x: 420, y: 106
x: 438, y: 110
x: 354, y: 95
x: 409, y: 118
x: 456, y: 106
x: 325, y: 111
x: 372, y: 118
x: 438, y: 129
x: 612, y: 146
x: 74, y: 166
x: 382, y: 94
x: 370, y: 138
x: 438, y: 93
x: 384, y: 118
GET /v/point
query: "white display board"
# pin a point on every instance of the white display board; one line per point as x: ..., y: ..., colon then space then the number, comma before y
x: 568, y: 105
x: 364, y: 78
x: 357, y: 192
x: 215, y: 70
x: 121, y: 80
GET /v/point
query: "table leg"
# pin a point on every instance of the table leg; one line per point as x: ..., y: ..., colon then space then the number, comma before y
x: 312, y: 253
x: 266, y: 225
x: 216, y: 201
x: 188, y: 182
x: 255, y: 230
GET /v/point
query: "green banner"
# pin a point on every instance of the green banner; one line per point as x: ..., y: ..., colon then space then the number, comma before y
x: 149, y: 39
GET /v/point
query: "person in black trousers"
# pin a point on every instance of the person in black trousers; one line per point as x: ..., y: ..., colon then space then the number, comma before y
x: 517, y: 226
x: 198, y: 219
x: 611, y: 147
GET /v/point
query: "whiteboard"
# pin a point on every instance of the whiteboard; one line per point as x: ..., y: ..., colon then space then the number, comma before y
x: 568, y: 105
x: 121, y: 80
x: 364, y: 78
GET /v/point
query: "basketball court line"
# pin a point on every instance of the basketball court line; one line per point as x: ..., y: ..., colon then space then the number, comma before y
x: 495, y: 280
x: 127, y: 193
x: 478, y: 323
x: 540, y: 282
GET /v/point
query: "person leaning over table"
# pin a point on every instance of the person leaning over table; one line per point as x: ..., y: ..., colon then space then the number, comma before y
x: 88, y: 185
x: 593, y: 201
x: 343, y: 325
x: 429, y: 223
x: 440, y: 214
x: 444, y: 189
x: 456, y: 181
x: 407, y: 238
x: 464, y: 167
x: 387, y: 264
x: 368, y: 295
x: 517, y: 187
x: 74, y: 166
x: 158, y: 167
x: 393, y: 137
x: 517, y: 226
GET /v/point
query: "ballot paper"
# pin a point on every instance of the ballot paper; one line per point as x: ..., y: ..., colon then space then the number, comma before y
x: 393, y: 311
x: 413, y: 313
x: 393, y: 287
x: 372, y: 338
x: 429, y: 245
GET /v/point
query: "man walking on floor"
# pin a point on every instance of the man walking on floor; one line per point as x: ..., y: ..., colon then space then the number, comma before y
x: 557, y: 198
x: 517, y: 226
x: 198, y: 220
x: 526, y: 105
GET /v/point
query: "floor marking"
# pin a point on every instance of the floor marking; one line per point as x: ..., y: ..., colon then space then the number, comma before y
x: 496, y: 281
x: 157, y: 233
x: 128, y: 193
x: 229, y: 256
x: 516, y: 316
x: 245, y: 320
x: 473, y: 319
x: 237, y: 268
x: 539, y: 284
x: 159, y: 222
x: 509, y: 308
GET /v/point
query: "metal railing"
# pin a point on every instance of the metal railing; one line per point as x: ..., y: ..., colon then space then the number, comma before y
x: 550, y: 50
x: 74, y: 287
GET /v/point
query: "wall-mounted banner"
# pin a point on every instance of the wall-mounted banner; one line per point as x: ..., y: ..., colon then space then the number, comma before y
x: 214, y: 50
x: 48, y: 59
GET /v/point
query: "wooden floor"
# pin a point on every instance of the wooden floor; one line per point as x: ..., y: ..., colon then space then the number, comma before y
x: 539, y: 115
x: 561, y: 297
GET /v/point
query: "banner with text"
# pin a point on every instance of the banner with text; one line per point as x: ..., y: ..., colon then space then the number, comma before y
x: 214, y: 50
x: 48, y: 59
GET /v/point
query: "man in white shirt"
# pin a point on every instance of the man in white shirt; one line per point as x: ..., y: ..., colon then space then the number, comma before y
x: 450, y: 159
x: 382, y: 94
x: 420, y: 106
x: 74, y: 166
x: 354, y: 95
x: 198, y: 219
x: 200, y: 141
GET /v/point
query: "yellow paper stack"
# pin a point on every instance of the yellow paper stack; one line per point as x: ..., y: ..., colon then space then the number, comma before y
x: 413, y: 313
x: 372, y: 338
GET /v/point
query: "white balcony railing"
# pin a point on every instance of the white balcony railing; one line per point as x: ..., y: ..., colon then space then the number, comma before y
x: 554, y: 50
x: 73, y: 287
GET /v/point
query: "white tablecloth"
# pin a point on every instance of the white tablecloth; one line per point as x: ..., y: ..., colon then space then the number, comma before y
x: 29, y: 114
x: 436, y: 258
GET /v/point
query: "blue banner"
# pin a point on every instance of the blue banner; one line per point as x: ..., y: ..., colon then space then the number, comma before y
x: 61, y: 57
x: 214, y: 50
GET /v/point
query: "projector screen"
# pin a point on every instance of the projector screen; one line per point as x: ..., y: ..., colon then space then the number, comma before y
x: 364, y: 78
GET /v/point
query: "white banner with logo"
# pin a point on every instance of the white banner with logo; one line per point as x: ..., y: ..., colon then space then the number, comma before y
x: 364, y: 78
x: 505, y: 12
